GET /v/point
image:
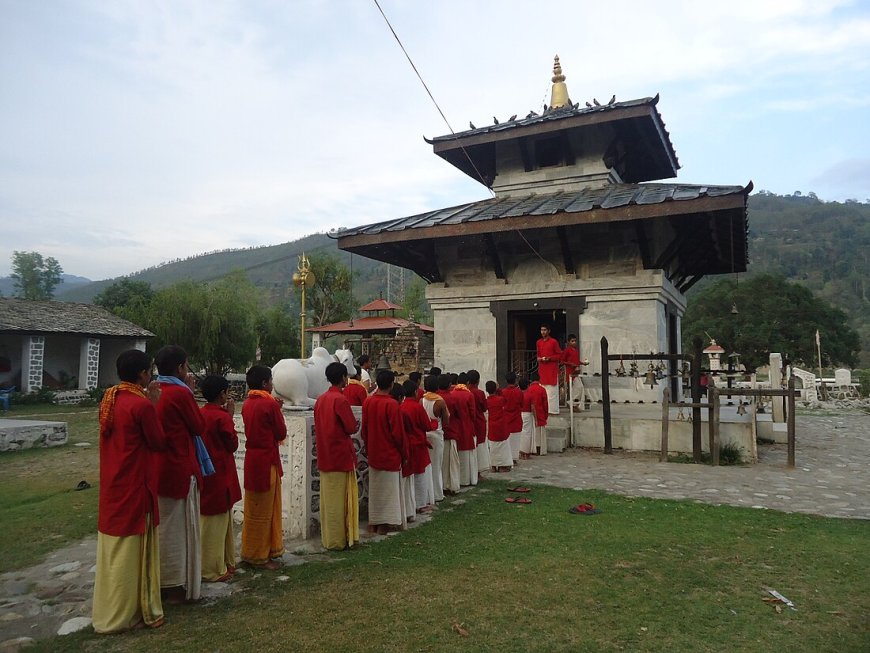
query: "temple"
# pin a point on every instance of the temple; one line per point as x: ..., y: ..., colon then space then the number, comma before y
x: 580, y: 234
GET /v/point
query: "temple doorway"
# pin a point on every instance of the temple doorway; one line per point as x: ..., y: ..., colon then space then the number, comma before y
x: 524, y: 330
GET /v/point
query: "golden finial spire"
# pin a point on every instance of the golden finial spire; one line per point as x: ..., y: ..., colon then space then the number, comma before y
x: 559, y: 97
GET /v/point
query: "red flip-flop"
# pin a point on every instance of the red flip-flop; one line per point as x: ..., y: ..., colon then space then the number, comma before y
x: 583, y: 509
x: 523, y: 500
x: 510, y: 500
x: 518, y: 489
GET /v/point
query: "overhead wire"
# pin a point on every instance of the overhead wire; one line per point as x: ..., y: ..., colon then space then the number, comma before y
x: 431, y: 96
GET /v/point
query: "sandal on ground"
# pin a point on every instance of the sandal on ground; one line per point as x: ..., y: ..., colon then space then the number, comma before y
x: 519, y: 489
x: 523, y: 500
x: 510, y: 500
x: 583, y: 509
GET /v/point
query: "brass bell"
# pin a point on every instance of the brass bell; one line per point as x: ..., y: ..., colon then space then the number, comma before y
x: 383, y: 363
x: 650, y: 377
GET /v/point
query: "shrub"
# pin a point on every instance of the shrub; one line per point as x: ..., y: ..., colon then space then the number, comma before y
x: 41, y: 396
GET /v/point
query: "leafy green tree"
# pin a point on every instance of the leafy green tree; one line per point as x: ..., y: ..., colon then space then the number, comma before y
x: 34, y: 276
x: 415, y: 305
x: 278, y: 333
x: 127, y: 298
x: 330, y: 299
x: 773, y: 315
x: 215, y: 324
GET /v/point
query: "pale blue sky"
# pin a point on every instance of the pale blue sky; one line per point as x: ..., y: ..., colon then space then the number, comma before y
x: 136, y: 132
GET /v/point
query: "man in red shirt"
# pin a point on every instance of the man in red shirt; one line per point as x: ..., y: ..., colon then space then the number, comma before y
x: 571, y: 361
x: 384, y: 436
x: 450, y: 427
x: 221, y: 490
x: 549, y: 356
x: 480, y: 408
x: 513, y: 406
x: 500, y: 447
x: 334, y: 424
x: 464, y: 418
x: 538, y: 400
x: 180, y: 478
x: 417, y: 423
x: 265, y: 429
x: 127, y: 583
x: 354, y: 391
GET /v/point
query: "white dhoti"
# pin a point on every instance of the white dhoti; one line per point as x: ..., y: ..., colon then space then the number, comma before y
x: 436, y: 453
x: 514, y: 439
x: 468, y: 467
x: 409, y: 501
x: 541, y: 439
x: 424, y: 493
x: 180, y: 544
x: 450, y: 466
x: 552, y: 398
x: 385, y: 498
x: 500, y: 452
x: 576, y: 394
x: 483, y: 463
x: 527, y: 442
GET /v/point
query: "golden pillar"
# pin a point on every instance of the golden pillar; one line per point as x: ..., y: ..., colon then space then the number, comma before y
x: 303, y: 278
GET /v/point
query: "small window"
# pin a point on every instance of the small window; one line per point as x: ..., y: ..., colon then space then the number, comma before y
x: 548, y: 152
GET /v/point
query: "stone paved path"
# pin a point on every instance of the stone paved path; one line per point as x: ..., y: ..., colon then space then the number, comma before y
x: 832, y: 478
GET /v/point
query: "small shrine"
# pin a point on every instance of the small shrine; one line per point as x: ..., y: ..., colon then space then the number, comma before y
x: 581, y: 234
x: 406, y: 345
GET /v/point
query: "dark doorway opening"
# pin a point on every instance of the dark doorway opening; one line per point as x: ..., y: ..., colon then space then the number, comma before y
x: 524, y: 330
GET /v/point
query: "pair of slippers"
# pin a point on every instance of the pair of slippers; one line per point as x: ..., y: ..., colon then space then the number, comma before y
x: 584, y: 509
x: 522, y: 500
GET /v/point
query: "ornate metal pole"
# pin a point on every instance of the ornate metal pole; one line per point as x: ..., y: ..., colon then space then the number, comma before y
x: 303, y: 279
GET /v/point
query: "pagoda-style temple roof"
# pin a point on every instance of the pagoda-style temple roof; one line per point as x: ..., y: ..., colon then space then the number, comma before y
x: 379, y: 304
x: 650, y: 155
x: 709, y: 223
x: 369, y: 325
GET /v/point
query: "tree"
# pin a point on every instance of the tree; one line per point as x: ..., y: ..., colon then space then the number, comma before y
x: 128, y: 299
x: 35, y: 277
x: 278, y: 334
x: 330, y: 299
x: 415, y: 305
x: 215, y: 324
x: 773, y: 315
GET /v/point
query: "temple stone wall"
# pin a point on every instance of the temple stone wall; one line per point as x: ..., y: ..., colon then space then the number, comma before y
x: 89, y: 363
x: 32, y: 360
x: 630, y: 310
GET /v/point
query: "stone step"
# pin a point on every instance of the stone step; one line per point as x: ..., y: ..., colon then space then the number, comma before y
x: 557, y: 438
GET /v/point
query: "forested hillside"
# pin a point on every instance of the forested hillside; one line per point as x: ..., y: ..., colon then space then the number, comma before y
x: 823, y: 245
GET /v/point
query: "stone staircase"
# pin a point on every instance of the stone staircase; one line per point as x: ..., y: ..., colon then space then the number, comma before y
x: 558, y: 431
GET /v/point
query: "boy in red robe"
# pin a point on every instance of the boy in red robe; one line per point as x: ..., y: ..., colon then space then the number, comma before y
x: 221, y: 490
x: 355, y: 392
x: 464, y: 419
x: 334, y: 424
x: 127, y: 584
x: 513, y: 407
x: 482, y: 449
x: 384, y: 436
x: 571, y: 361
x: 500, y: 446
x: 265, y: 429
x: 417, y: 423
x: 549, y: 357
x: 538, y: 400
x: 180, y: 478
x: 450, y: 458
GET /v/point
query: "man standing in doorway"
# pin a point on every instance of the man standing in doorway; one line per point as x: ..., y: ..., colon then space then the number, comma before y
x: 549, y: 356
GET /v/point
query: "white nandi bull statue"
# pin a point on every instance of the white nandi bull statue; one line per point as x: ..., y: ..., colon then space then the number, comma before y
x: 301, y: 382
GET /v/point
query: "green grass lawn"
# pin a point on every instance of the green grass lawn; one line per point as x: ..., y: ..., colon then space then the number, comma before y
x: 644, y: 575
x: 38, y: 503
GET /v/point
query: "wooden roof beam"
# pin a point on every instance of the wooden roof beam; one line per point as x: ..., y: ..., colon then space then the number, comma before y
x: 567, y: 257
x: 492, y: 252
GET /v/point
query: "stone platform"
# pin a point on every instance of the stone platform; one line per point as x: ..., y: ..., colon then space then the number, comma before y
x: 18, y: 434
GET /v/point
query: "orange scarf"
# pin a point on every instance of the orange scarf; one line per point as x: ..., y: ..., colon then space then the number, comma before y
x: 107, y: 405
x: 261, y: 393
x: 349, y: 381
x: 461, y: 386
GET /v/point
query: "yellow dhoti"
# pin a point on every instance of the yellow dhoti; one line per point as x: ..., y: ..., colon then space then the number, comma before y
x: 218, y: 545
x: 339, y: 509
x: 127, y: 584
x: 262, y: 532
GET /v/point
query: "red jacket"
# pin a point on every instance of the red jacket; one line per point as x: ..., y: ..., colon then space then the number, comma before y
x: 221, y: 489
x: 548, y: 370
x: 383, y: 433
x: 334, y: 424
x: 464, y: 419
x: 355, y: 393
x: 539, y: 403
x: 264, y: 429
x: 571, y: 359
x: 479, y: 413
x: 128, y: 476
x: 452, y: 430
x: 497, y: 430
x: 513, y: 406
x: 416, y: 423
x: 181, y: 420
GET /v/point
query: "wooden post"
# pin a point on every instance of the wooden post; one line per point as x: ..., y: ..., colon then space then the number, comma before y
x: 605, y: 396
x: 790, y: 420
x: 666, y: 395
x: 714, y: 425
x: 697, y: 349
